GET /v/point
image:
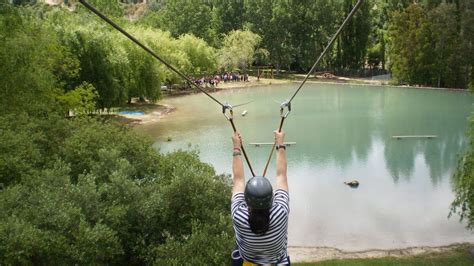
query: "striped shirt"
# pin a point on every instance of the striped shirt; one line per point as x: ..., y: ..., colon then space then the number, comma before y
x: 271, y: 247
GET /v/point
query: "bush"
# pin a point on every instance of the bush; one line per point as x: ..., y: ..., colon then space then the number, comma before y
x: 102, y: 195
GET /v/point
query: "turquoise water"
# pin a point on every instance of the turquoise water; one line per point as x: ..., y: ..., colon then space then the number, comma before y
x: 342, y: 132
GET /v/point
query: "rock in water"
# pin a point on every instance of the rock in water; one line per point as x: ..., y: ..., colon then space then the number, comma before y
x: 352, y: 184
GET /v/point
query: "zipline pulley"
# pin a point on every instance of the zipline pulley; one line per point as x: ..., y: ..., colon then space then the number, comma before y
x: 285, y: 105
x: 229, y: 107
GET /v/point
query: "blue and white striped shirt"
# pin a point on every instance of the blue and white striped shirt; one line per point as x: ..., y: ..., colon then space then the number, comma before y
x: 271, y: 247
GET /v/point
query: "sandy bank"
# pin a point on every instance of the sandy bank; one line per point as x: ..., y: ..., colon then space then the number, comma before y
x: 149, y: 117
x: 314, y: 254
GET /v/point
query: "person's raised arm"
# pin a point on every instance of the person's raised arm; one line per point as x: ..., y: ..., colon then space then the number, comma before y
x: 238, y: 179
x: 281, y: 178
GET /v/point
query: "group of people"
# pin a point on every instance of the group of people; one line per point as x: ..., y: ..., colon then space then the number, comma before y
x: 213, y: 81
x: 234, y: 76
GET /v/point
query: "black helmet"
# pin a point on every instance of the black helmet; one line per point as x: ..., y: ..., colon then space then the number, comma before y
x: 259, y: 193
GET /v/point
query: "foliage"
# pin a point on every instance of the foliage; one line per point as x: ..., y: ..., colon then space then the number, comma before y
x: 266, y: 19
x: 49, y: 52
x: 108, y: 7
x: 88, y: 192
x: 238, y: 49
x: 186, y: 16
x: 352, y: 43
x: 294, y: 32
x: 80, y: 101
x: 201, y: 56
x: 30, y: 56
x: 228, y: 15
x: 213, y: 237
x: 426, y: 47
x: 463, y: 203
x: 467, y: 36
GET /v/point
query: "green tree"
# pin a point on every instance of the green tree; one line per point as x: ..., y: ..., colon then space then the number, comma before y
x: 228, y: 15
x: 269, y: 20
x: 293, y: 32
x: 238, y: 49
x: 426, y: 47
x: 80, y: 101
x: 108, y: 7
x: 463, y: 203
x: 146, y: 74
x: 467, y: 37
x: 184, y: 16
x: 89, y: 192
x: 353, y: 42
x: 404, y: 44
x: 201, y: 56
x: 449, y: 60
x: 31, y: 57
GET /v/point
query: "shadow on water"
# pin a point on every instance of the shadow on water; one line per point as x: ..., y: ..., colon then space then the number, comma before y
x: 339, y: 128
x: 424, y: 113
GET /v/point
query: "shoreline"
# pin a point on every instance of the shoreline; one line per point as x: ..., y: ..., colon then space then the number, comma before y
x: 162, y: 110
x: 158, y: 112
x: 317, y: 254
x: 385, y: 85
x: 318, y: 80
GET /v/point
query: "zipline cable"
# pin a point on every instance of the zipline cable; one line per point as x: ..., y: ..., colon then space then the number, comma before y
x: 356, y: 7
x: 287, y: 104
x: 117, y: 27
x: 148, y: 50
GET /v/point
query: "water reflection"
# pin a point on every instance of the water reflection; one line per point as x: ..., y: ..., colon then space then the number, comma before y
x: 424, y: 113
x: 344, y: 132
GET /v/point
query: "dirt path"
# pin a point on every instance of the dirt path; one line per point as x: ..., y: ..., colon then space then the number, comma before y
x: 314, y: 254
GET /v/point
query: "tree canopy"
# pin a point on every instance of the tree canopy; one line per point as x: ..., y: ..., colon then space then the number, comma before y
x: 87, y: 192
x: 238, y: 50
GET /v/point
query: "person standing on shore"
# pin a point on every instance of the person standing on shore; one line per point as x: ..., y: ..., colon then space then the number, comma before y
x: 260, y: 216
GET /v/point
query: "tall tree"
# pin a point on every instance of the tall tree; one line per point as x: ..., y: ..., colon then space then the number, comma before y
x: 426, y: 46
x: 404, y: 43
x: 188, y: 16
x: 270, y: 20
x: 228, y: 15
x: 467, y: 36
x: 32, y: 59
x: 449, y: 58
x: 353, y: 41
x: 238, y: 49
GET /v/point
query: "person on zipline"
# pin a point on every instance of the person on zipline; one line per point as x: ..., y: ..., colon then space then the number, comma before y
x: 260, y: 217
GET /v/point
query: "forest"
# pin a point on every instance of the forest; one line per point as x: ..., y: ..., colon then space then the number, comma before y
x: 84, y: 189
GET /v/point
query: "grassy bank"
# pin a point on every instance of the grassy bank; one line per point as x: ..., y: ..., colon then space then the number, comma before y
x: 457, y: 256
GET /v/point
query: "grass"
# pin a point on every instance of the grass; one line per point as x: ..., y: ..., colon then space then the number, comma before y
x: 457, y: 256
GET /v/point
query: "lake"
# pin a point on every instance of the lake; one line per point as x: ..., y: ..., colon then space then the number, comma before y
x: 342, y: 132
